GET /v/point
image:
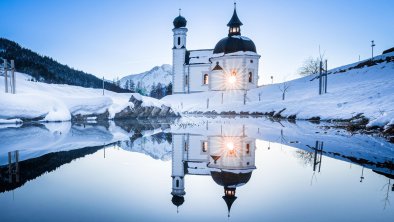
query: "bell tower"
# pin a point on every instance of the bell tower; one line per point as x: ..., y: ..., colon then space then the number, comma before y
x: 180, y: 80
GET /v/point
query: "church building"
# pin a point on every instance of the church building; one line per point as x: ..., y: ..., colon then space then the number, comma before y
x: 232, y: 65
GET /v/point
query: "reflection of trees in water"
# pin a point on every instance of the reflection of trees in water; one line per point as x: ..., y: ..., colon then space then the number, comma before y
x: 386, y: 198
x: 305, y: 157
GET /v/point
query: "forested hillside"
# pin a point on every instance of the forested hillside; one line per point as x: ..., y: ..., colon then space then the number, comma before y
x: 46, y: 69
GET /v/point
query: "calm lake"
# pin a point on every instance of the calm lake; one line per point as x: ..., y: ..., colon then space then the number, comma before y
x: 193, y: 169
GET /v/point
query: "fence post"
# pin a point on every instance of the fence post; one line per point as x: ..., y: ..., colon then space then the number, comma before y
x: 320, y: 79
x: 13, y: 89
x: 326, y: 78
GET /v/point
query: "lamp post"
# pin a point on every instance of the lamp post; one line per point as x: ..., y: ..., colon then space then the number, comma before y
x: 272, y: 79
x: 372, y: 45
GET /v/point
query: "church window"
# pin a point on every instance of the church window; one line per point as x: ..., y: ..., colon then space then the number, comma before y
x: 204, y: 146
x: 177, y: 183
x: 179, y: 40
x: 185, y: 146
x: 251, y: 61
x: 250, y: 77
x: 205, y: 80
x: 186, y: 80
x: 247, y: 148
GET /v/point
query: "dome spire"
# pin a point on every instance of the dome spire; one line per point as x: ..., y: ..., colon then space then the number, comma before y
x: 234, y: 24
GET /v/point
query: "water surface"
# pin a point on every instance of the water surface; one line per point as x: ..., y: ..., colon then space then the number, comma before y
x: 193, y: 169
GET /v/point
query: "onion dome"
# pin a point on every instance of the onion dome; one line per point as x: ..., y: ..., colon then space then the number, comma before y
x: 228, y: 179
x: 180, y: 21
x: 234, y: 44
x: 177, y: 200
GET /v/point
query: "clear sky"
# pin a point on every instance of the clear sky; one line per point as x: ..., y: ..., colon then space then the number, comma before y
x: 120, y: 37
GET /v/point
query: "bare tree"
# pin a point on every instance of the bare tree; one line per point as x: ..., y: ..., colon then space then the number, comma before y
x: 311, y: 65
x: 283, y: 88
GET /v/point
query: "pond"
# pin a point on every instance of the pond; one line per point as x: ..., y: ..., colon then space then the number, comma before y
x: 193, y: 169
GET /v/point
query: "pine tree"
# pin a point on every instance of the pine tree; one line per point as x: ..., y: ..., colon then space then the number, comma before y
x: 169, y: 89
x: 127, y: 84
x: 132, y: 86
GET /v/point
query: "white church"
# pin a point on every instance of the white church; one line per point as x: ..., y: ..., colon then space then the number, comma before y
x: 232, y: 65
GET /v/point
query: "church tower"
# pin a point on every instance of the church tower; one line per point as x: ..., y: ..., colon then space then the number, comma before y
x: 179, y: 144
x: 180, y: 80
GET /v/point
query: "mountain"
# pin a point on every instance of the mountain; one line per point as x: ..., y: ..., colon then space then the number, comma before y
x: 146, y: 81
x: 46, y: 69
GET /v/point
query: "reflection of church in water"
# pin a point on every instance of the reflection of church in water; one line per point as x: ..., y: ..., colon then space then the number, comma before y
x: 228, y: 157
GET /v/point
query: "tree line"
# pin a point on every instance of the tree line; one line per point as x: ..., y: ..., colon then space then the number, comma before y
x: 48, y: 70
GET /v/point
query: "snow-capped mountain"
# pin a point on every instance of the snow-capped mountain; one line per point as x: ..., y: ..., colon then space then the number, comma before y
x: 144, y: 81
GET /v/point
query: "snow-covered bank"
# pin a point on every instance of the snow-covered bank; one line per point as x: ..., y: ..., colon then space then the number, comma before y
x: 353, y: 89
x: 54, y: 102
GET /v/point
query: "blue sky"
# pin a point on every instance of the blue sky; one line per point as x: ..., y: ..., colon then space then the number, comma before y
x: 120, y: 37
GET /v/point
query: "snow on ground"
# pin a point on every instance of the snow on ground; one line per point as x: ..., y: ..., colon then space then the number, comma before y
x: 54, y: 102
x: 368, y: 90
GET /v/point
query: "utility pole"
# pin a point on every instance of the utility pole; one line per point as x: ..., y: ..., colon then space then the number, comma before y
x: 372, y: 45
x: 5, y: 76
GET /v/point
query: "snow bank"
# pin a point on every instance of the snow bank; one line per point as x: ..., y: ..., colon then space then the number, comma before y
x: 351, y: 91
x: 54, y: 102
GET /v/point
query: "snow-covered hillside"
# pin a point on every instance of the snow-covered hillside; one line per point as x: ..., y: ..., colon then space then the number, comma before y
x: 54, y: 102
x: 144, y: 81
x: 353, y: 89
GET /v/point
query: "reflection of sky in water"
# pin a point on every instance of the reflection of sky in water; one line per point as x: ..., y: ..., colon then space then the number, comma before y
x: 130, y: 184
x: 126, y: 186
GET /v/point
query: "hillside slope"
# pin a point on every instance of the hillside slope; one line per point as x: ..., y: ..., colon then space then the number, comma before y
x: 365, y: 88
x: 60, y: 102
x: 45, y: 69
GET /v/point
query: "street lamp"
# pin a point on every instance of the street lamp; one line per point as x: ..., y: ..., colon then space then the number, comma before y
x: 272, y: 79
x: 372, y: 45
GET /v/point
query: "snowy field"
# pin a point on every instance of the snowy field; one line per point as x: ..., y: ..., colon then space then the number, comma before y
x: 54, y: 102
x: 368, y: 90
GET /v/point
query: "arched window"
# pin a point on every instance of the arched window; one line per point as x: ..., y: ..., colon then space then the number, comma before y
x: 204, y: 146
x: 179, y: 40
x: 177, y: 183
x: 250, y: 77
x: 205, y: 79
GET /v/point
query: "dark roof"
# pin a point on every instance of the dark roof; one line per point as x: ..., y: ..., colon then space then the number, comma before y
x: 234, y: 21
x: 177, y: 200
x: 179, y: 22
x: 234, y: 44
x: 217, y: 67
x: 228, y: 179
x: 229, y: 202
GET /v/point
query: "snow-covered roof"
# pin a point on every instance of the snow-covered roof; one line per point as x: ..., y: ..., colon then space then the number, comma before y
x: 201, y: 56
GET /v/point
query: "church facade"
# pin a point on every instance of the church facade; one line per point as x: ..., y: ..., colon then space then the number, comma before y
x: 232, y: 65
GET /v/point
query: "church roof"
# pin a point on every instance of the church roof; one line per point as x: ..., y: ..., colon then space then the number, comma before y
x: 229, y: 179
x: 235, y: 43
x: 179, y: 22
x: 217, y: 67
x: 229, y: 202
x: 177, y: 200
x: 202, y: 56
x: 234, y: 21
